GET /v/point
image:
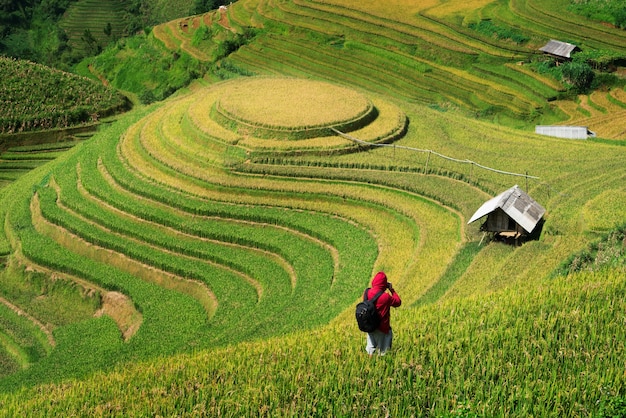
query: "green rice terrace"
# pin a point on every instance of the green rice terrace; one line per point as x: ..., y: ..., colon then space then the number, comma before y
x: 202, y: 255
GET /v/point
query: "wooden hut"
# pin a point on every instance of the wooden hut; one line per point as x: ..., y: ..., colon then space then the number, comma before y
x: 510, y: 215
x: 560, y: 50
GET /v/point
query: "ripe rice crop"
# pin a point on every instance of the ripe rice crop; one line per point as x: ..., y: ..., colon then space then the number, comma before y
x: 546, y: 361
x: 291, y: 103
x: 455, y: 8
x: 606, y: 211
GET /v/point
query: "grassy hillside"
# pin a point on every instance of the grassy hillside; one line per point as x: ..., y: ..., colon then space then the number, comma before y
x: 204, y: 254
x: 531, y: 346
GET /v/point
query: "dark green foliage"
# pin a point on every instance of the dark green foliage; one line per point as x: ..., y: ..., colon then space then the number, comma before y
x: 54, y: 8
x: 599, y: 59
x: 225, y: 69
x: 92, y: 44
x: 203, y: 6
x: 147, y: 97
x: 230, y: 45
x: 579, y: 74
x: 30, y: 29
x: 16, y: 14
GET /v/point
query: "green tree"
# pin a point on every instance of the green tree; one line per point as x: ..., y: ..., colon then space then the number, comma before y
x: 579, y: 74
x: 203, y: 6
x: 92, y: 43
x: 620, y: 17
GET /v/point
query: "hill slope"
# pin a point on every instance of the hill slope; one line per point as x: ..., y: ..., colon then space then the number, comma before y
x: 431, y: 54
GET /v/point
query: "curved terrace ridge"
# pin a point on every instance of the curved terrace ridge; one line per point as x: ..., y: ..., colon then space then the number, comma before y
x: 289, y: 114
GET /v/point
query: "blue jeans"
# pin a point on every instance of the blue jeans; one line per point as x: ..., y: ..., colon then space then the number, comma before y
x: 378, y: 340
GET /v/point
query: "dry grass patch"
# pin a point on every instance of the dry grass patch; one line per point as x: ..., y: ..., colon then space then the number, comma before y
x: 120, y: 308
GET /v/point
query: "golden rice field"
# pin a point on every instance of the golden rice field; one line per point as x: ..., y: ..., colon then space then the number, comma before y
x: 291, y: 103
x: 599, y: 113
x: 304, y: 111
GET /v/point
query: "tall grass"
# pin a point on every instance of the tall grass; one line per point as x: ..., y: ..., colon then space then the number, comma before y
x: 533, y: 351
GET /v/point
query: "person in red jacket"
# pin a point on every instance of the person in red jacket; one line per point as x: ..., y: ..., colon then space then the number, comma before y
x: 381, y: 338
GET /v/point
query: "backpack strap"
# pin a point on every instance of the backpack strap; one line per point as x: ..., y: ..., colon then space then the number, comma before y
x: 375, y: 298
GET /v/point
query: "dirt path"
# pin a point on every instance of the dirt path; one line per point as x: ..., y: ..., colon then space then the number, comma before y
x: 103, y: 80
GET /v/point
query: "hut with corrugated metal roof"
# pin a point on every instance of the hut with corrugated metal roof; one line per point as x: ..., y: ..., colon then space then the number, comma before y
x: 559, y: 50
x: 511, y: 215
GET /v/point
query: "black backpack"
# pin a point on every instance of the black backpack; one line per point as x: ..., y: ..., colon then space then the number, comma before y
x: 367, y: 316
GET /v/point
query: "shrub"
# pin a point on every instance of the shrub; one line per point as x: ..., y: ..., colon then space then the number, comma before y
x: 579, y: 74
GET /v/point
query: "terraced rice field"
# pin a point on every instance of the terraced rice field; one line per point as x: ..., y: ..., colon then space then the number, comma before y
x: 602, y: 112
x: 231, y: 228
x: 367, y: 46
x: 157, y: 215
x: 93, y: 15
x: 424, y: 52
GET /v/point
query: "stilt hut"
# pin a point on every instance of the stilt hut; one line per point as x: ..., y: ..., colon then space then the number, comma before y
x: 511, y: 215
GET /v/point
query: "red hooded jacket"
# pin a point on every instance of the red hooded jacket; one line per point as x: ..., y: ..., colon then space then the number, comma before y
x: 385, y: 301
